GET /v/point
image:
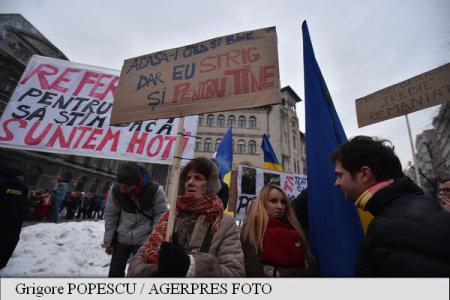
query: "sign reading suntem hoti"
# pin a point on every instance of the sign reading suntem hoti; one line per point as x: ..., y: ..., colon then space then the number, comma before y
x: 230, y: 72
x: 419, y: 92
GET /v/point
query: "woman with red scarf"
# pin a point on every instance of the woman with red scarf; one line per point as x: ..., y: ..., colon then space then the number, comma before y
x: 273, y: 241
x: 205, y: 240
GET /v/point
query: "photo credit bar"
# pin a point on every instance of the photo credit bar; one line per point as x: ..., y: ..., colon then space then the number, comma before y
x: 238, y: 288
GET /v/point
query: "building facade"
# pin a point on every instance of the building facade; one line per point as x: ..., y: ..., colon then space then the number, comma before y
x: 279, y: 122
x: 429, y: 160
x: 441, y: 125
x: 433, y: 152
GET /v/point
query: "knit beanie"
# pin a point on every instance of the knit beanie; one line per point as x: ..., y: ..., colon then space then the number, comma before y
x: 128, y: 173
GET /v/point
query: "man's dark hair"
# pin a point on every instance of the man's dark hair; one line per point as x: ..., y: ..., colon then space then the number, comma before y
x: 366, y: 151
x: 444, y: 180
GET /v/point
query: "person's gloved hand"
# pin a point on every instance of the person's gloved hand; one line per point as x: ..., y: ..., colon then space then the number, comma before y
x: 173, y: 261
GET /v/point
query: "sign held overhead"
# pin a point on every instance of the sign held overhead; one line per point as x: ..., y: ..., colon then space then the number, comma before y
x: 230, y: 72
x: 419, y: 92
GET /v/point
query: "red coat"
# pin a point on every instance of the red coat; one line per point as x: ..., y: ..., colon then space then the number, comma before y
x: 282, y: 246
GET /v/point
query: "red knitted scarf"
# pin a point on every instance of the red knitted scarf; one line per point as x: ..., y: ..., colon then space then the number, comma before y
x: 210, y: 207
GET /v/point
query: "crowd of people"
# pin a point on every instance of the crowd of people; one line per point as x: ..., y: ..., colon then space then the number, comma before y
x: 43, y: 205
x: 409, y: 235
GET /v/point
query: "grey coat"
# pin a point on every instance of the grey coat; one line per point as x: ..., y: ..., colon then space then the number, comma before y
x: 132, y: 226
x: 224, y: 258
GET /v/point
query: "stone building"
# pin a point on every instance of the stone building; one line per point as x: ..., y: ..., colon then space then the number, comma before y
x: 19, y: 40
x: 280, y: 122
x: 433, y: 151
x: 429, y: 160
x: 441, y: 125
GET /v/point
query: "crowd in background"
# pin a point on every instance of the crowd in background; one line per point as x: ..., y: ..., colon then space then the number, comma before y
x: 75, y: 205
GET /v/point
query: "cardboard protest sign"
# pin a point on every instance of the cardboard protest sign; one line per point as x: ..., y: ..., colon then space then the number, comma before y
x: 419, y: 92
x: 65, y: 107
x: 251, y: 180
x: 230, y: 72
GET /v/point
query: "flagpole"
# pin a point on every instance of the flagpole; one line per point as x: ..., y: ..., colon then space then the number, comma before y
x: 175, y: 175
x: 416, y: 167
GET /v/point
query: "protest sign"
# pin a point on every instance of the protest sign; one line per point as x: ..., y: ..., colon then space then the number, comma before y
x: 230, y: 72
x: 419, y: 92
x: 251, y: 180
x: 65, y: 107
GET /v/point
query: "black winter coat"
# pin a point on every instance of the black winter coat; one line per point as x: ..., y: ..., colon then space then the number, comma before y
x: 13, y: 195
x: 409, y: 236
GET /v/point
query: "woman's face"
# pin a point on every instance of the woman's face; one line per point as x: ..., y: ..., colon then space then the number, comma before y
x: 276, y: 204
x: 195, y: 183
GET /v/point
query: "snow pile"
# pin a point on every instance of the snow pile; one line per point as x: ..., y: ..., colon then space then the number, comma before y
x: 70, y: 249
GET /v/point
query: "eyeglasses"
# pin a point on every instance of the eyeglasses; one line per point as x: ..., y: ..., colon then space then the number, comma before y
x: 444, y: 190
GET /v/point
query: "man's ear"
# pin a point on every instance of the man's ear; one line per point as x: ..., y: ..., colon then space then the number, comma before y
x: 366, y: 174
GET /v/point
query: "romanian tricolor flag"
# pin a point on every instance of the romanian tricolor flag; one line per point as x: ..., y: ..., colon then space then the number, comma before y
x: 224, y: 156
x: 270, y: 159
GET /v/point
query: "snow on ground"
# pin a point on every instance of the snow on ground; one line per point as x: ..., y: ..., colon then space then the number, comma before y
x: 68, y: 249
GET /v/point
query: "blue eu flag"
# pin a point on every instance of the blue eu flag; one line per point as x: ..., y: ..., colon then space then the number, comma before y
x: 335, y: 227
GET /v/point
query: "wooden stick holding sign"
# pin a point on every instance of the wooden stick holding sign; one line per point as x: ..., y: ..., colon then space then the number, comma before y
x: 173, y: 190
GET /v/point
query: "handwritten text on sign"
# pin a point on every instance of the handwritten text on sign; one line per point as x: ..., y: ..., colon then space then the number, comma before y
x: 230, y: 72
x: 65, y: 107
x: 420, y: 92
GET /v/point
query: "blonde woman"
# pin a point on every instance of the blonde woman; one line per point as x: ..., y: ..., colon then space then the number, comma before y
x: 273, y: 241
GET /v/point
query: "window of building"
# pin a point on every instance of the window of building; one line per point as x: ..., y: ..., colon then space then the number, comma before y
x: 252, y: 122
x: 218, y: 141
x: 242, y: 122
x: 210, y: 120
x: 241, y: 146
x: 200, y: 120
x: 198, y: 144
x: 294, y: 141
x: 208, y: 145
x: 99, y: 163
x: 221, y: 121
x: 252, y: 147
x: 231, y: 121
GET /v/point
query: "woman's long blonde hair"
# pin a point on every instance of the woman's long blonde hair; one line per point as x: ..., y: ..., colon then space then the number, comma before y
x: 255, y: 224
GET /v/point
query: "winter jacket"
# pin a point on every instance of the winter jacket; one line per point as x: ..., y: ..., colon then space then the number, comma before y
x: 282, y: 245
x: 409, y: 236
x: 12, y: 202
x: 281, y: 249
x: 224, y: 258
x: 131, y: 218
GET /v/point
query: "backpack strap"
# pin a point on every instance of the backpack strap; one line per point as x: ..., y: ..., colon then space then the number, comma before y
x: 207, y: 241
x: 153, y: 189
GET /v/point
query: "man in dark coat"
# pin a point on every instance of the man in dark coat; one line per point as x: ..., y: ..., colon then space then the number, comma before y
x: 12, y: 203
x: 409, y: 235
x: 134, y: 205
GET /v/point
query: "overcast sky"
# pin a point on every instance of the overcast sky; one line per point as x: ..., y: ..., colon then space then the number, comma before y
x: 361, y: 46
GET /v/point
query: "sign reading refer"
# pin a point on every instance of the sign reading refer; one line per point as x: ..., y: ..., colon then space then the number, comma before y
x: 230, y: 72
x: 64, y: 107
x: 419, y: 92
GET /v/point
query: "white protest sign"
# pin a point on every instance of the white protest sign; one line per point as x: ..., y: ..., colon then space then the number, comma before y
x: 64, y: 107
x: 251, y: 180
